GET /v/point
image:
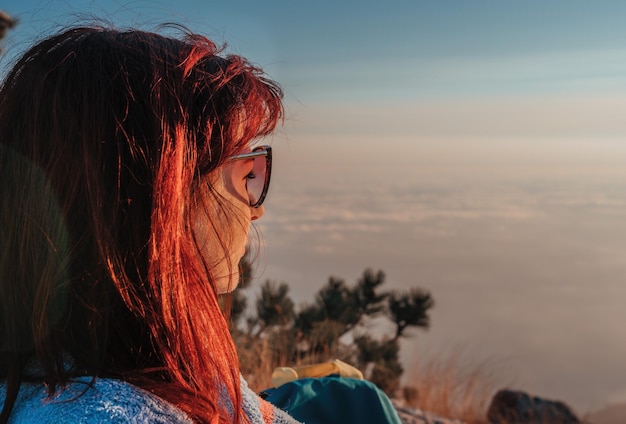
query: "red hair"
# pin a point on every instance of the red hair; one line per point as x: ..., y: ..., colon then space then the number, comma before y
x: 116, y: 128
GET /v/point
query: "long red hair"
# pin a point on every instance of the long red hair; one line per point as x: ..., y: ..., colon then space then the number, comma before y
x: 104, y: 135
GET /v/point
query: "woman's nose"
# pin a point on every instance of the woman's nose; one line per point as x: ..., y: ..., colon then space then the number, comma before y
x: 257, y: 213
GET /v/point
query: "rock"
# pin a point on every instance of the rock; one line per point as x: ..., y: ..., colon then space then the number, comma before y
x: 516, y: 407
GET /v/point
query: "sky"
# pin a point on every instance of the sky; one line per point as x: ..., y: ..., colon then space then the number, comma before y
x: 474, y: 149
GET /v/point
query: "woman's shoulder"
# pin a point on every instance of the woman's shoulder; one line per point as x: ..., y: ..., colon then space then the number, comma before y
x: 106, y: 400
x: 261, y: 411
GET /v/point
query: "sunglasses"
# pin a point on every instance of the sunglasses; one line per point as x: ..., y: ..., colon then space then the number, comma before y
x: 258, y: 181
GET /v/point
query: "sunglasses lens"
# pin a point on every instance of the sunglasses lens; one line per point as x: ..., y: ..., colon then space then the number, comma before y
x: 256, y: 184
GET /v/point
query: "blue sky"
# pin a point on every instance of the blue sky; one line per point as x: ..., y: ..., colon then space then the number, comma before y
x: 474, y: 148
x: 403, y: 51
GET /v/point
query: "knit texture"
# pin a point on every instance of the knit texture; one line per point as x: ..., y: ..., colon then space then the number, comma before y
x: 115, y: 401
x: 261, y: 411
x: 106, y: 401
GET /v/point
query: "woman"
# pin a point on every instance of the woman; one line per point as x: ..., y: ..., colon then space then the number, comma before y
x: 129, y: 181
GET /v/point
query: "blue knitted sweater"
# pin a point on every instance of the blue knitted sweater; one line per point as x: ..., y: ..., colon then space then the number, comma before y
x: 115, y: 401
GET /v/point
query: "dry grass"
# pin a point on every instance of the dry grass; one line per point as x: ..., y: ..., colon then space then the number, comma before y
x: 256, y: 362
x: 452, y: 387
x: 449, y: 385
x: 259, y: 355
x: 258, y: 358
x: 446, y: 385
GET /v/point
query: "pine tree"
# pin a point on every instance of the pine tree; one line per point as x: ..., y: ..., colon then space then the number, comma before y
x: 313, y: 332
x: 6, y: 23
x: 273, y: 305
x: 410, y: 310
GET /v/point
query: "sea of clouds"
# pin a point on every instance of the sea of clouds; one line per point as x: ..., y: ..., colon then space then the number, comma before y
x: 526, y: 268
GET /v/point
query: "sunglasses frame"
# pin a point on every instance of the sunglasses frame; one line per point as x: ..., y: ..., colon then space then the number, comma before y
x: 259, y: 151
